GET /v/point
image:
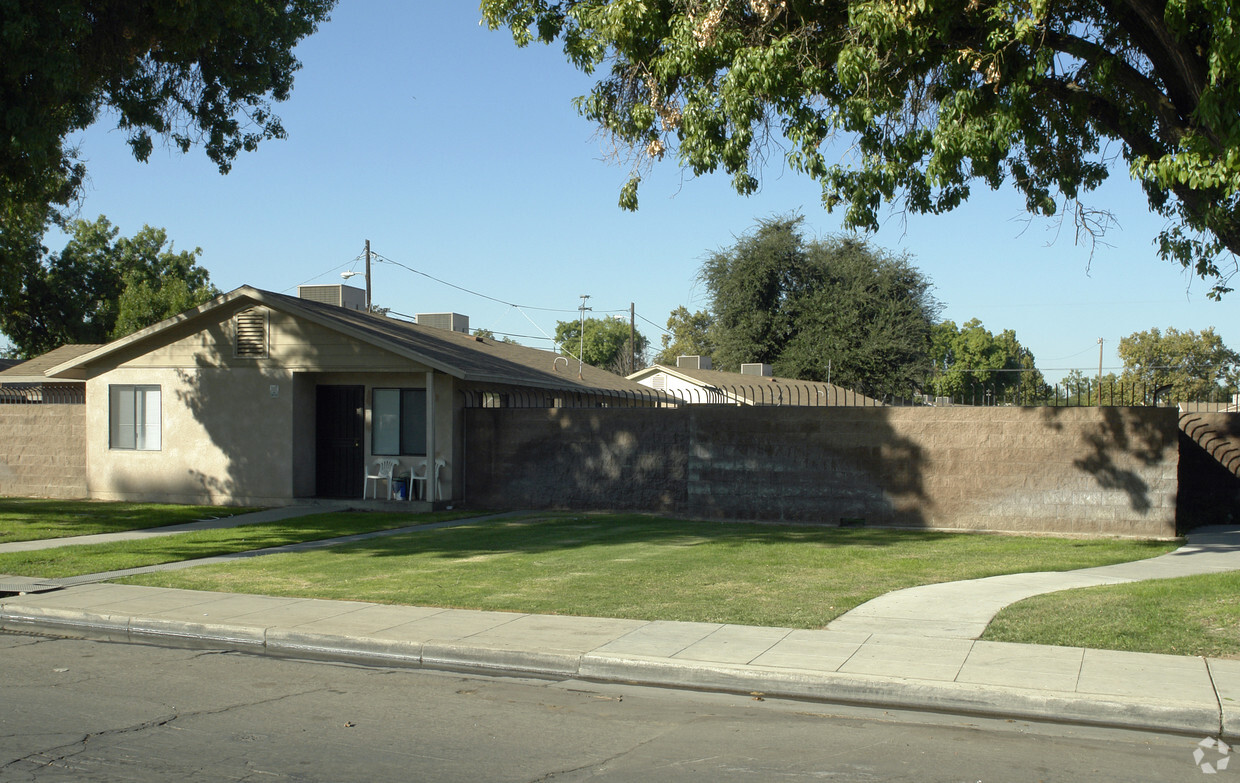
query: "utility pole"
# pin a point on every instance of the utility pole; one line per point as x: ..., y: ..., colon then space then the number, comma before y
x: 632, y: 338
x: 1100, y: 342
x: 581, y: 346
x: 368, y: 275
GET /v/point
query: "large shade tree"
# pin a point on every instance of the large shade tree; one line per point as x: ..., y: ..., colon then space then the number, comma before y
x: 191, y: 72
x: 688, y: 334
x: 833, y: 310
x: 605, y: 344
x: 973, y: 364
x: 1184, y: 366
x: 101, y: 286
x: 932, y: 97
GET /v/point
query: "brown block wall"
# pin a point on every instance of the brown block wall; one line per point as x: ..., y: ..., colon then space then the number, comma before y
x: 1097, y: 471
x: 43, y: 451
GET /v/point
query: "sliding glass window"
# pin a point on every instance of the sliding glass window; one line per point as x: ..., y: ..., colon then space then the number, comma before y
x: 398, y: 422
x: 133, y: 418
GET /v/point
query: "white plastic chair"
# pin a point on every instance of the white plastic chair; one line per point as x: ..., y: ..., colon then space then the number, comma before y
x: 439, y: 465
x: 418, y: 473
x: 381, y: 471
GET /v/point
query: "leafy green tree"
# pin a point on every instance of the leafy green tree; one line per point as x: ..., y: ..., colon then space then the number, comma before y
x: 969, y: 360
x: 690, y: 336
x: 1197, y: 366
x: 190, y: 71
x: 928, y: 99
x: 606, y: 343
x: 100, y: 287
x: 837, y: 310
x: 1078, y: 389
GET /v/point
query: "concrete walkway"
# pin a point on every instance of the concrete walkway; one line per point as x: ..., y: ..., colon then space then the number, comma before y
x: 1194, y: 696
x: 962, y: 610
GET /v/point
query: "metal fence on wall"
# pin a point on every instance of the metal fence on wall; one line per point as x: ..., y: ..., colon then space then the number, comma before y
x: 825, y: 395
x: 42, y: 395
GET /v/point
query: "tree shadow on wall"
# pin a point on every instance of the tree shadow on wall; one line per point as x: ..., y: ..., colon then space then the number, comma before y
x: 235, y: 410
x: 782, y: 464
x: 1120, y: 440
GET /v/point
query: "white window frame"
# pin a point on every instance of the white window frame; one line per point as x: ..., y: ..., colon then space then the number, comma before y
x: 134, y: 417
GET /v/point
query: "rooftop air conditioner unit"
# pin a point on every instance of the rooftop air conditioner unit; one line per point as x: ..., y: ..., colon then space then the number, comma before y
x: 693, y: 362
x: 345, y: 296
x: 757, y: 368
x: 454, y: 322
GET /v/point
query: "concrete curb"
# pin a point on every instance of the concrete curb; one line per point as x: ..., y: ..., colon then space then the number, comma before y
x: 807, y: 685
x: 899, y: 693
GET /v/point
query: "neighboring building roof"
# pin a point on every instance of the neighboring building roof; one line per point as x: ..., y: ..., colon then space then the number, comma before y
x: 758, y: 389
x: 35, y: 370
x: 460, y: 355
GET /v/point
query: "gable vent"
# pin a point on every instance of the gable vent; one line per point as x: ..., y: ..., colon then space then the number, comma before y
x: 250, y: 334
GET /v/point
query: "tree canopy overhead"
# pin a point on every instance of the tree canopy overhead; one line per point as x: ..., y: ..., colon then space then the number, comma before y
x: 931, y: 97
x: 193, y: 72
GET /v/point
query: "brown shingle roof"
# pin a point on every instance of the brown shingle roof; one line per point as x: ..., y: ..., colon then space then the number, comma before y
x: 474, y: 360
x: 34, y: 370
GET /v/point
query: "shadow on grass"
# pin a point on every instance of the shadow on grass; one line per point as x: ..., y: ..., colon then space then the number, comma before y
x: 544, y: 534
x: 26, y: 519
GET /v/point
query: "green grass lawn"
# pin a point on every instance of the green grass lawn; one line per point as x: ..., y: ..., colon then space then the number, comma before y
x: 1192, y: 615
x: 641, y: 567
x: 27, y: 519
x: 98, y: 558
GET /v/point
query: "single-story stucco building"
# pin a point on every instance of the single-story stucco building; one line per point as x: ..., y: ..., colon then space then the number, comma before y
x: 263, y: 398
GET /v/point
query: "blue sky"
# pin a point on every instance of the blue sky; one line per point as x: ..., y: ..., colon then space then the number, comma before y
x: 461, y: 156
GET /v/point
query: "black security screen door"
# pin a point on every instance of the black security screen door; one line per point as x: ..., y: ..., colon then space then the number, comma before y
x: 338, y: 441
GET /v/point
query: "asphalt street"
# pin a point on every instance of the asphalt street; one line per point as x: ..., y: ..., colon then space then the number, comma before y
x: 93, y: 711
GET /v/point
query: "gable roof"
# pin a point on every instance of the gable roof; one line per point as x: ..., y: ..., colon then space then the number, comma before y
x: 759, y: 389
x: 460, y: 355
x: 36, y: 370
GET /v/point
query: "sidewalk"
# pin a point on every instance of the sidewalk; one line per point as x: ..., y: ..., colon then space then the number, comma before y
x: 871, y: 667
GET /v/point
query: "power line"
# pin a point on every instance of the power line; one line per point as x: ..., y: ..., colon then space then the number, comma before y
x: 655, y: 325
x: 350, y: 262
x: 380, y: 257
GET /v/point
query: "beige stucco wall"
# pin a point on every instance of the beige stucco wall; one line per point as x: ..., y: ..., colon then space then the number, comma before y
x: 226, y: 437
x: 241, y: 430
